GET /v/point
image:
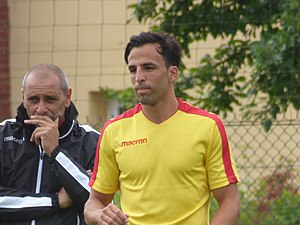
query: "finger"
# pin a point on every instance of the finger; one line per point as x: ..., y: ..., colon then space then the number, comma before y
x: 111, y: 220
x: 38, y: 122
x: 118, y: 215
x: 33, y: 136
x: 89, y: 172
x: 41, y: 117
x: 37, y: 141
x: 38, y: 134
x: 56, y: 121
x: 36, y: 138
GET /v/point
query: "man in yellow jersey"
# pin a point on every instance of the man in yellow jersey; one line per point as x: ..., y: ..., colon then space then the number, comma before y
x: 165, y: 156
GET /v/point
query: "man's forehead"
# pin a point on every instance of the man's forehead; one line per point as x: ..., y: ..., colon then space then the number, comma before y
x: 141, y: 63
x: 144, y: 56
x: 40, y: 74
x: 42, y: 87
x: 41, y: 92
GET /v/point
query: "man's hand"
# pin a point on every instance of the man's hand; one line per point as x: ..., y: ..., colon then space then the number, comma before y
x: 112, y: 215
x: 64, y: 199
x: 46, y: 132
x: 99, y: 210
x: 89, y: 172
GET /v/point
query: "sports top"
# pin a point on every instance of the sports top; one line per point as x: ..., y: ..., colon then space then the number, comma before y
x: 165, y: 172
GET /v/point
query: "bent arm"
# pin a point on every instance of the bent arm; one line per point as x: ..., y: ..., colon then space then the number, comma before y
x: 94, y: 206
x: 229, y: 205
x: 72, y: 170
x: 98, y: 208
x: 72, y: 176
x: 17, y: 205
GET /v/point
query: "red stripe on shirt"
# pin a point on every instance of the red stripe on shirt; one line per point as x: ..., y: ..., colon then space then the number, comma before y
x: 186, y: 107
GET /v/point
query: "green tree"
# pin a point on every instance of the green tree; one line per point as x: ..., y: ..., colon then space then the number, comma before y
x: 263, y: 36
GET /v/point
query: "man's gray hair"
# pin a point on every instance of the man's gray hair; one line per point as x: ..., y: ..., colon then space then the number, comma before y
x: 49, y: 67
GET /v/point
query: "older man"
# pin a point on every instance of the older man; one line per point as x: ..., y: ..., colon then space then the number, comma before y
x: 45, y: 154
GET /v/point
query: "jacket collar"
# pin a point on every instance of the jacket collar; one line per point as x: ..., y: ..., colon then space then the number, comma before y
x: 70, y: 117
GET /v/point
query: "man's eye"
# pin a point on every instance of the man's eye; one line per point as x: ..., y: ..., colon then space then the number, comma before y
x: 33, y: 100
x: 132, y: 71
x: 148, y: 68
x: 50, y: 99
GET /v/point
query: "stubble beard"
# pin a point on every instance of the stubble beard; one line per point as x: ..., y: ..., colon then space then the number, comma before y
x: 145, y: 99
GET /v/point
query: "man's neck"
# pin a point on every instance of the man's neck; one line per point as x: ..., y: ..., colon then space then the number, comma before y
x: 161, y: 111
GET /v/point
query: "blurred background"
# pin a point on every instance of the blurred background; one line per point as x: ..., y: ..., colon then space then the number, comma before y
x: 241, y: 60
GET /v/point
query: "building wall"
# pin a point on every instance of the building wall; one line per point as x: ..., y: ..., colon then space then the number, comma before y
x: 4, y: 62
x: 85, y: 38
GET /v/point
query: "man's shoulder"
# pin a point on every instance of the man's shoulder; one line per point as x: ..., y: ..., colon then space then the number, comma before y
x: 130, y: 113
x: 193, y: 110
x: 8, y: 123
x: 87, y: 128
x: 10, y: 131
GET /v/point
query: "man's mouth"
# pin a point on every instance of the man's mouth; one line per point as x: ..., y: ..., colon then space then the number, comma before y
x: 142, y: 90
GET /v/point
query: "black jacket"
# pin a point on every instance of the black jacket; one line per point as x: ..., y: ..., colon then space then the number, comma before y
x: 29, y: 179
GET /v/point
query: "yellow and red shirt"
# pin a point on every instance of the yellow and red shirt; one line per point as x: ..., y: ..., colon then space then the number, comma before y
x: 165, y: 172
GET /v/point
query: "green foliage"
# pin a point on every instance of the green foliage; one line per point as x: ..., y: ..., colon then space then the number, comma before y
x: 269, y: 49
x: 117, y: 199
x: 126, y: 97
x: 274, y: 202
x: 283, y: 211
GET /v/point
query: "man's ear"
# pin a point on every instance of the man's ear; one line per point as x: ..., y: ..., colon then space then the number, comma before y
x: 23, y: 95
x: 68, y: 97
x: 22, y: 92
x: 173, y: 73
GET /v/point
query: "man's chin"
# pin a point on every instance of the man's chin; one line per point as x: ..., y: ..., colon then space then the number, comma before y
x: 145, y: 100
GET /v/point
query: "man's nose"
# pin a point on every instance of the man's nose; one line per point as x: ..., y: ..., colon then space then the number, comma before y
x: 139, y: 76
x: 41, y: 108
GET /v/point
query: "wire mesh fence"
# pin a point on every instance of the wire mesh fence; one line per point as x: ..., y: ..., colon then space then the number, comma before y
x: 269, y: 168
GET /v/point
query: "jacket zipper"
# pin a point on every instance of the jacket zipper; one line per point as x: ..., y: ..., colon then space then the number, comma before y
x: 39, y: 175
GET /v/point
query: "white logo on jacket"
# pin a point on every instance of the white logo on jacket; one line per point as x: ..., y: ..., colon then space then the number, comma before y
x: 11, y: 138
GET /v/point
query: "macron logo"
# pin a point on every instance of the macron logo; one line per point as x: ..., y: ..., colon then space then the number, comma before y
x: 11, y: 138
x: 134, y: 142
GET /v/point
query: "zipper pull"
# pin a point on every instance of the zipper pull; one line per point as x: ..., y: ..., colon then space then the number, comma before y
x: 41, y: 152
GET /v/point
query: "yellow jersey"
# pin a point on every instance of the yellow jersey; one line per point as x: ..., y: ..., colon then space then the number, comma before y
x: 165, y: 172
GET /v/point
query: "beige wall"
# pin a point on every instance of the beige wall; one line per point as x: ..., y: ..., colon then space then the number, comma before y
x: 85, y: 38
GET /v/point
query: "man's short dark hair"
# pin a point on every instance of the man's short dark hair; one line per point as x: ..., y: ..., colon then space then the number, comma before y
x: 169, y: 47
